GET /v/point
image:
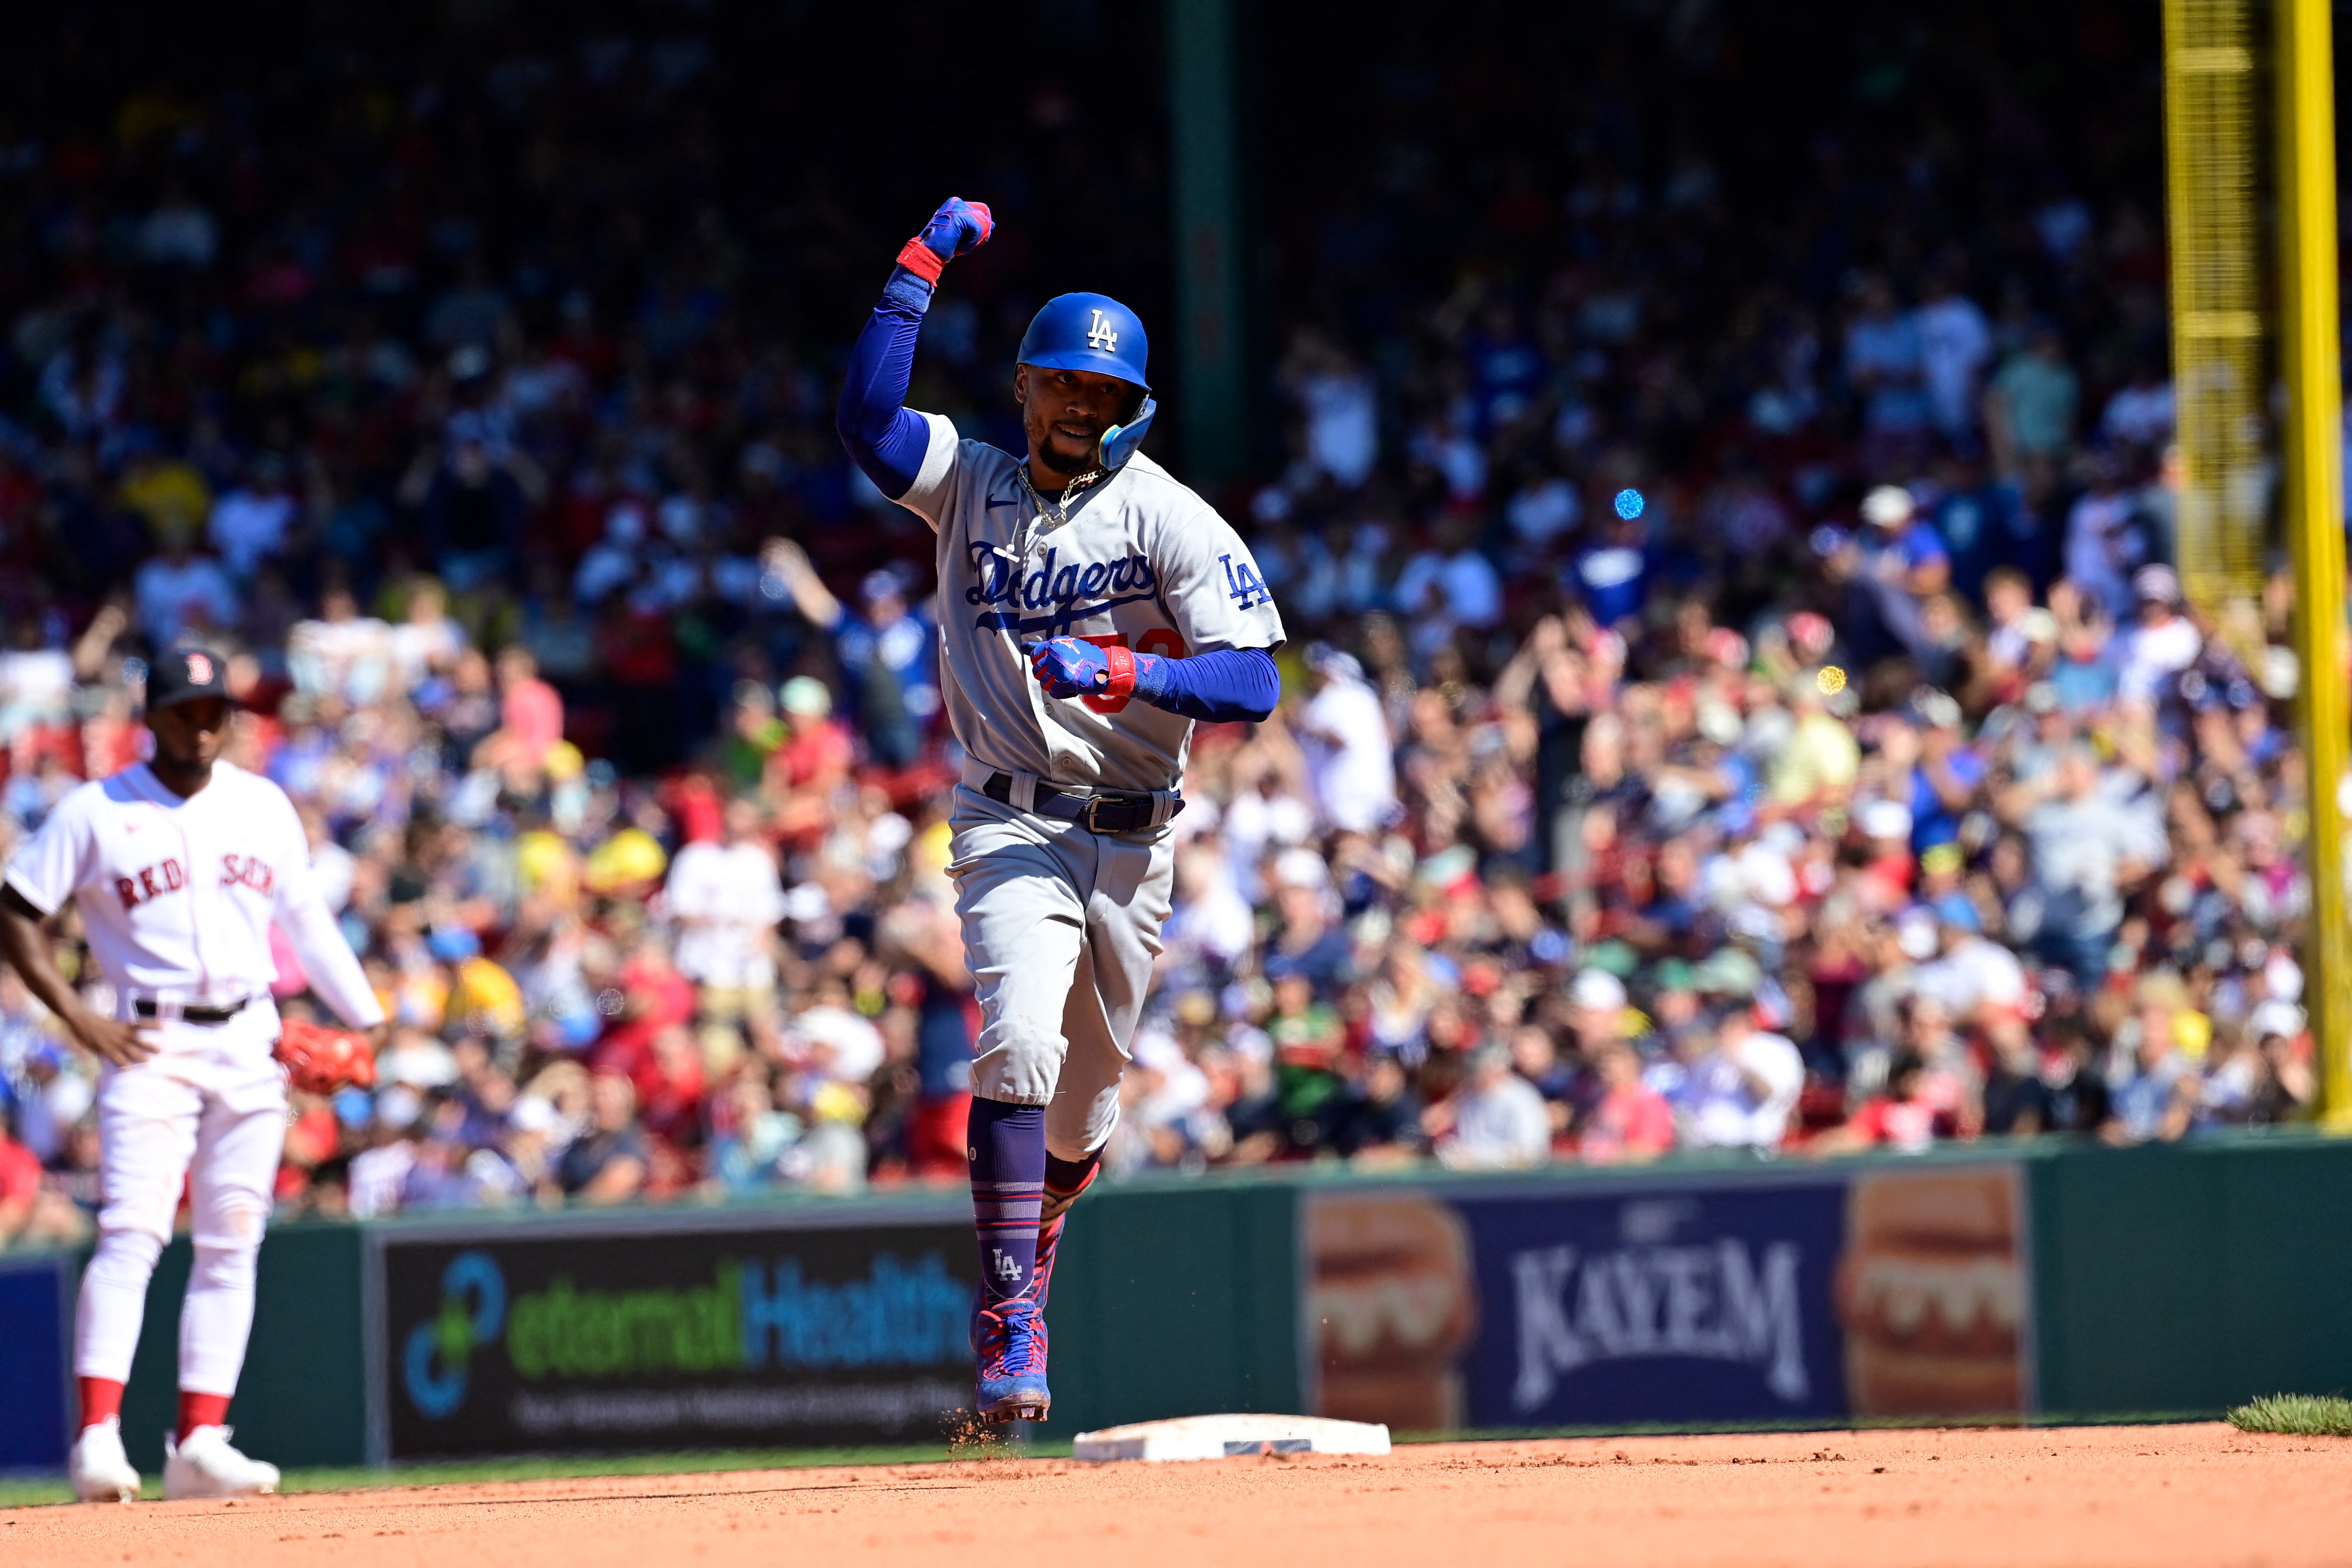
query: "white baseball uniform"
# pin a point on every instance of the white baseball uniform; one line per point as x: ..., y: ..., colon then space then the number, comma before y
x: 1061, y: 924
x: 177, y: 897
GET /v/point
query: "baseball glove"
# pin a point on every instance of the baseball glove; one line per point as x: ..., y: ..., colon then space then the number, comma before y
x: 319, y: 1060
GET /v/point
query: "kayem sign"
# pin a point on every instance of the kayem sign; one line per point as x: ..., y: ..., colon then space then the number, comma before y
x: 1783, y: 1296
x: 686, y: 1331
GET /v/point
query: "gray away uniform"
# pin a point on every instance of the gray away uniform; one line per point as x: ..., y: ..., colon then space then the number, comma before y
x: 1061, y: 925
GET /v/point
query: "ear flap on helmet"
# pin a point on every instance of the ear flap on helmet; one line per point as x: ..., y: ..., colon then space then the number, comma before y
x: 1121, y: 441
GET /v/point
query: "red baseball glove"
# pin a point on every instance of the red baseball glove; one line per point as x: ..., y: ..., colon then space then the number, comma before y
x: 319, y: 1060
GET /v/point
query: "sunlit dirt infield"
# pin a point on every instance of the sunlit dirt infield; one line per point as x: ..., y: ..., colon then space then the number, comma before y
x: 2125, y: 1494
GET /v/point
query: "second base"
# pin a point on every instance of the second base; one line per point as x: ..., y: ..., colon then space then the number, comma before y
x: 1229, y: 1436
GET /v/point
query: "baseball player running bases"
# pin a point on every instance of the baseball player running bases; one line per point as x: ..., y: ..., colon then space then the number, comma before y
x: 178, y: 866
x: 1091, y: 609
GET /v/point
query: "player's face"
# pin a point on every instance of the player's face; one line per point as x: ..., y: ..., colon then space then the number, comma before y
x: 189, y: 734
x: 1066, y: 412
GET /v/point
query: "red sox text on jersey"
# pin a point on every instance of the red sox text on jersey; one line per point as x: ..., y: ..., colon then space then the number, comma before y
x: 166, y: 876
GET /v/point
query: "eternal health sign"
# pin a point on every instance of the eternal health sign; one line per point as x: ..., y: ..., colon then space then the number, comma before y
x: 740, y: 1331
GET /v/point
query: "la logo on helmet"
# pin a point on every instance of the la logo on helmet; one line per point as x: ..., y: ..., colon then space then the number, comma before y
x: 200, y: 669
x: 1102, y: 335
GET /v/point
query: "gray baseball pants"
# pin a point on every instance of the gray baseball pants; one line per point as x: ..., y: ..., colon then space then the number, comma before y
x: 1060, y: 929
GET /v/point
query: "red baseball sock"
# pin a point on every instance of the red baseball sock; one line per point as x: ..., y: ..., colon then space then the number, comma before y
x: 100, y: 1398
x: 200, y: 1410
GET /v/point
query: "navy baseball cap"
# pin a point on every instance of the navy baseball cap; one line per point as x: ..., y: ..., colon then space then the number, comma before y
x: 187, y: 675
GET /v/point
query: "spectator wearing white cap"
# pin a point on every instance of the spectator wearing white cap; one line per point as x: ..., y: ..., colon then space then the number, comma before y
x: 2285, y: 1085
x: 2162, y: 642
x: 1597, y: 1009
x: 1884, y: 822
x: 1900, y: 547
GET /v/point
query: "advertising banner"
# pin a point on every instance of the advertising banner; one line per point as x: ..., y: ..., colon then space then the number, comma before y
x: 33, y: 1318
x: 1768, y: 1299
x: 719, y: 1332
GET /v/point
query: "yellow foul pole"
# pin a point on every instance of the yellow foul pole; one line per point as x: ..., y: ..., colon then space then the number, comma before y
x: 2315, y: 511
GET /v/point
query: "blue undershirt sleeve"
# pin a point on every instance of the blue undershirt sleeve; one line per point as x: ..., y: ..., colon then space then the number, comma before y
x: 1224, y: 686
x: 884, y: 437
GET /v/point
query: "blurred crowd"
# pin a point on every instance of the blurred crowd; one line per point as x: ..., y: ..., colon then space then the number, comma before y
x: 1742, y: 695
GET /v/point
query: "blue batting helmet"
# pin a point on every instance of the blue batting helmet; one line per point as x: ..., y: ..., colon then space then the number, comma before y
x: 1088, y: 331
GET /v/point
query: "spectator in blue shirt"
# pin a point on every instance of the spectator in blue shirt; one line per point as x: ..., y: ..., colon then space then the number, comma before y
x: 1612, y: 576
x: 2156, y: 1100
x: 1983, y: 525
x: 1944, y: 774
x: 887, y: 654
x: 1901, y: 546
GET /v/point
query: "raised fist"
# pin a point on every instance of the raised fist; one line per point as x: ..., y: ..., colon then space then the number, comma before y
x: 957, y: 227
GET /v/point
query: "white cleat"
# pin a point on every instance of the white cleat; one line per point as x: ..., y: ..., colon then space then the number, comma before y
x: 205, y: 1466
x: 101, y: 1472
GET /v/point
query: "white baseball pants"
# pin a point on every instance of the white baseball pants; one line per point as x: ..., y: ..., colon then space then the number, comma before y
x: 209, y: 1112
x: 1061, y: 926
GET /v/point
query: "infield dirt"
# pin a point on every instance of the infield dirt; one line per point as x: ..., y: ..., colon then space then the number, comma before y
x: 2137, y: 1495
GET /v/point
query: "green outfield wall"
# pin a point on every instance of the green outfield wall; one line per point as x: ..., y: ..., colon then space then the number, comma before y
x: 2074, y: 1283
x: 1177, y: 1299
x: 304, y: 1392
x: 2190, y: 1278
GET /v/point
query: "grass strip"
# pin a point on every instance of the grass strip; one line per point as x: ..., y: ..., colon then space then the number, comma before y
x: 33, y: 1492
x: 2296, y: 1416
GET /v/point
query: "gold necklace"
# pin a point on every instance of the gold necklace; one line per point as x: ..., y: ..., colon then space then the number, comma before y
x: 1059, y: 514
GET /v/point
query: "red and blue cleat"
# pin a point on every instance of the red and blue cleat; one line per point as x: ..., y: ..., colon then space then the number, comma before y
x: 1008, y: 1346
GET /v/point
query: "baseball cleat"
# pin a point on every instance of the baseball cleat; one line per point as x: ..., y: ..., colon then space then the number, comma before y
x: 101, y: 1472
x: 1009, y: 1347
x: 205, y: 1466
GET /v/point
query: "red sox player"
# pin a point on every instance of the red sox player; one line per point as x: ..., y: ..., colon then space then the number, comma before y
x: 179, y: 866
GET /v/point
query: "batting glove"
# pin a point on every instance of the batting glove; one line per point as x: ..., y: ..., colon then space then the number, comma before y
x: 1072, y: 667
x: 957, y: 227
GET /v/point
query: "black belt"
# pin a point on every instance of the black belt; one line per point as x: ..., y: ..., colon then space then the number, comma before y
x: 147, y: 1007
x: 1095, y: 813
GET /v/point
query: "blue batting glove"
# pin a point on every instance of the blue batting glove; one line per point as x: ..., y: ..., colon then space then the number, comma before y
x: 1072, y: 667
x: 957, y: 226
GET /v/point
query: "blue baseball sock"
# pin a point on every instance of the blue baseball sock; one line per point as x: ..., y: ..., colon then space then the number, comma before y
x: 1007, y: 1145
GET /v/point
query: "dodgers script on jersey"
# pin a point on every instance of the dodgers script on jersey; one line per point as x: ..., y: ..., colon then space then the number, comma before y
x: 1142, y: 562
x: 177, y: 896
